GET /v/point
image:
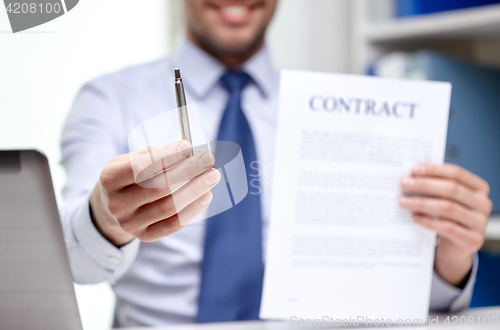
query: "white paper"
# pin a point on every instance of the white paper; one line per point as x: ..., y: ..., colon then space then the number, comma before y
x: 339, y: 244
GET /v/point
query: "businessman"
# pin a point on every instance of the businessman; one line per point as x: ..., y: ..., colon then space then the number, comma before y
x: 129, y: 235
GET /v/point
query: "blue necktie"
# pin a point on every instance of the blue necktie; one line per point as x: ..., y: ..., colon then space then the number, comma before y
x: 232, y: 268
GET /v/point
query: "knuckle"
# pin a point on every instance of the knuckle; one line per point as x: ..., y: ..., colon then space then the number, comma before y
x: 144, y: 236
x: 487, y: 188
x: 168, y: 208
x: 489, y: 205
x: 421, y: 184
x: 448, y: 207
x: 114, y: 206
x: 477, y: 241
x: 127, y: 225
x: 169, y: 158
x: 197, y: 190
x: 142, y: 194
x: 148, y: 239
x: 193, y: 213
x: 175, y: 229
x: 456, y: 172
x: 419, y: 202
x: 150, y: 235
x: 136, y: 168
x: 449, y: 228
x: 172, y: 228
x: 452, y: 189
x: 106, y: 178
x: 160, y: 181
x: 483, y: 222
x: 126, y: 170
x: 191, y: 169
x: 157, y: 191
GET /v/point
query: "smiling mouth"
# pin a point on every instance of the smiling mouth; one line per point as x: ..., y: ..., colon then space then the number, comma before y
x: 237, y: 12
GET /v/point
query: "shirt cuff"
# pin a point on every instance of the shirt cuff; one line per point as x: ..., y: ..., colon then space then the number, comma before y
x: 113, y: 261
x: 446, y: 297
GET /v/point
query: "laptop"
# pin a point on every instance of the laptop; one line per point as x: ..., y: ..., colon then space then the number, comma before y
x: 36, y: 285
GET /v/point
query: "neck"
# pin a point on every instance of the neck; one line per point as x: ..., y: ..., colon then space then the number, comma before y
x: 231, y: 61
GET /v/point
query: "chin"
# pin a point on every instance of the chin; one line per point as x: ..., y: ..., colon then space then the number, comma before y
x: 229, y: 28
x: 234, y: 43
x: 238, y: 45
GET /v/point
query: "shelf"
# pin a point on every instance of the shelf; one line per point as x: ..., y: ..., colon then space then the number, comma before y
x: 492, y: 243
x: 481, y: 22
x: 493, y: 230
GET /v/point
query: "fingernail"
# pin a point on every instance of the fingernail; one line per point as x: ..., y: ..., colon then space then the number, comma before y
x: 184, y: 148
x: 212, y: 178
x: 406, y: 201
x: 419, y: 169
x: 408, y: 181
x: 206, y: 199
x: 205, y: 161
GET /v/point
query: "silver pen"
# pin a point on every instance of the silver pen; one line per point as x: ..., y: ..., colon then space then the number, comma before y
x: 182, y: 108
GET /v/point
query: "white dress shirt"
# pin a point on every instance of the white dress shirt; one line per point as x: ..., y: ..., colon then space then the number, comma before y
x: 158, y: 283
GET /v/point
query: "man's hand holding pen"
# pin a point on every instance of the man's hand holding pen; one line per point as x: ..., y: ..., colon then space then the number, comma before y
x: 158, y: 204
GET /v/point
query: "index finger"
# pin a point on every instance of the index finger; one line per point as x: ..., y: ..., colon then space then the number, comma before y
x: 144, y: 165
x: 158, y: 160
x: 454, y: 172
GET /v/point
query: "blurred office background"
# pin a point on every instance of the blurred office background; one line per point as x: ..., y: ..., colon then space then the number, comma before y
x: 42, y: 69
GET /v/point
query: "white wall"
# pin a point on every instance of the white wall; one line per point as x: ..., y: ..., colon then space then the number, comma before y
x: 42, y: 69
x: 311, y: 35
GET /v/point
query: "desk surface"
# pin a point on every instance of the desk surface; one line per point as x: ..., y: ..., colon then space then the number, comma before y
x: 478, y: 315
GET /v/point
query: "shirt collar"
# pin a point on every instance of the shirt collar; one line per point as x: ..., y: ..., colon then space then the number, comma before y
x: 260, y: 68
x: 201, y: 71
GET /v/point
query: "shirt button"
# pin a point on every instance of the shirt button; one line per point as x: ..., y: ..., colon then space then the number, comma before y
x: 114, y: 260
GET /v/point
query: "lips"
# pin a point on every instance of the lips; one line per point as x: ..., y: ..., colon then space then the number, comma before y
x: 236, y: 13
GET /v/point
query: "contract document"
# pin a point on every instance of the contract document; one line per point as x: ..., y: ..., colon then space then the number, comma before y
x: 339, y: 244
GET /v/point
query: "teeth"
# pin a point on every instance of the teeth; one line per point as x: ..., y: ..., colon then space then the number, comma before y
x: 234, y: 10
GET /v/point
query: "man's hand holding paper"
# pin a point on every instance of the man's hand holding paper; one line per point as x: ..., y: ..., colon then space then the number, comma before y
x: 347, y: 237
x: 456, y: 206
